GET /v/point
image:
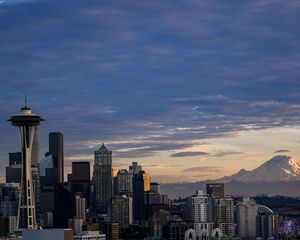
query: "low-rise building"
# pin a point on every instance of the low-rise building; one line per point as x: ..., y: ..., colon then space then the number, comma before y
x: 47, y: 234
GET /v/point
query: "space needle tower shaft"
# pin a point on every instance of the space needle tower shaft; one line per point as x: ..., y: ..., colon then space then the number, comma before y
x: 27, y: 123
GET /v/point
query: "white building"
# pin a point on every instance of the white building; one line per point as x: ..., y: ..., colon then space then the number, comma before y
x: 246, y: 219
x: 200, y: 207
x: 90, y: 235
x: 80, y: 204
x: 201, y: 214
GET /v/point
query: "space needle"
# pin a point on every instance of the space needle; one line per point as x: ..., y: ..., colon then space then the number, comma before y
x: 27, y: 123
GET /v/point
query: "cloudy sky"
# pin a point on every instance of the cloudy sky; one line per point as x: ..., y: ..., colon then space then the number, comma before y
x: 192, y: 89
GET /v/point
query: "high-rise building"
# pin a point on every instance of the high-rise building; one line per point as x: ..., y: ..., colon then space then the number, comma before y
x: 123, y: 182
x: 121, y: 211
x: 15, y: 158
x: 225, y: 215
x: 158, y: 222
x: 14, y: 170
x: 80, y: 208
x: 81, y: 180
x: 81, y: 171
x: 10, y: 191
x: 200, y: 206
x: 64, y: 206
x: 215, y: 190
x: 48, y: 179
x: 246, y: 219
x: 140, y: 185
x: 10, y: 199
x: 135, y: 168
x: 102, y: 179
x: 27, y: 123
x: 45, y: 163
x: 154, y: 201
x: 56, y: 149
x: 47, y: 199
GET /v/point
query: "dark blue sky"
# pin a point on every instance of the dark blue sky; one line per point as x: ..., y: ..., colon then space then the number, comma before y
x: 149, y: 77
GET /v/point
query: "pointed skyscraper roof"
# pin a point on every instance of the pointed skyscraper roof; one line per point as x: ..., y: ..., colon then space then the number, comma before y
x: 103, y: 149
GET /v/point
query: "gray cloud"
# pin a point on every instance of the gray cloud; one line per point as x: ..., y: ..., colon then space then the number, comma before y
x: 206, y: 169
x: 189, y: 154
x: 282, y: 151
x: 144, y: 149
x: 226, y: 153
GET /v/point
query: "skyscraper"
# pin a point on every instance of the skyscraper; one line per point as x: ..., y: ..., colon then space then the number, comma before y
x: 122, y: 211
x: 14, y: 170
x: 123, y: 182
x: 81, y: 171
x: 81, y: 180
x: 135, y: 168
x: 9, y: 200
x: 102, y: 179
x: 27, y: 123
x: 200, y: 206
x: 246, y: 219
x: 225, y: 215
x: 48, y: 179
x: 80, y: 208
x: 64, y: 206
x: 56, y: 149
x: 140, y: 185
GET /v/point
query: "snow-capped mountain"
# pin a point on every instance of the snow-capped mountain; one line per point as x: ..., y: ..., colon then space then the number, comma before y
x: 278, y: 176
x: 279, y: 168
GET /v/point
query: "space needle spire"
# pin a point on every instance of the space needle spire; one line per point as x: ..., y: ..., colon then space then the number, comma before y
x: 27, y: 123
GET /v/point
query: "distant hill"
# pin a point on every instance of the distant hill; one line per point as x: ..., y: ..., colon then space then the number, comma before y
x: 278, y: 176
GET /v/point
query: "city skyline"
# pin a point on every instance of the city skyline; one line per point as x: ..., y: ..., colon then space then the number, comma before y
x: 191, y: 90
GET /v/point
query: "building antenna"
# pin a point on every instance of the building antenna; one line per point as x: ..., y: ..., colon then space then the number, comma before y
x: 26, y: 101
